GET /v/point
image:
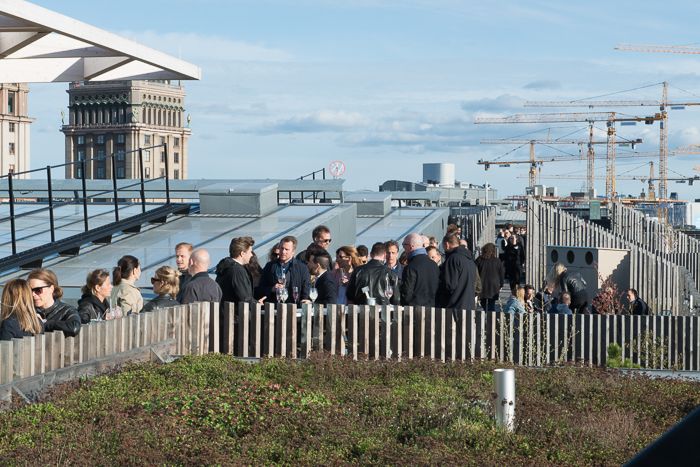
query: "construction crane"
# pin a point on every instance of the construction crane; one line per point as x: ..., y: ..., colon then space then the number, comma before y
x: 610, y: 118
x: 662, y: 104
x: 533, y: 173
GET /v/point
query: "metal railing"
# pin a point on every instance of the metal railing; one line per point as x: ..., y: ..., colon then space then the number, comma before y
x: 312, y: 175
x: 84, y: 198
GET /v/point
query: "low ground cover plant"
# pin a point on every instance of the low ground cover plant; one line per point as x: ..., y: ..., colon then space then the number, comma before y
x: 217, y: 410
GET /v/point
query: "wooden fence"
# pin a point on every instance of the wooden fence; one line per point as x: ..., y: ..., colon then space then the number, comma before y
x: 659, y: 280
x: 359, y: 332
x: 478, y: 225
x: 675, y: 246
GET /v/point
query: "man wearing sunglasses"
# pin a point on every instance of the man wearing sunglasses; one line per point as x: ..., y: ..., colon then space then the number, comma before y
x: 321, y: 236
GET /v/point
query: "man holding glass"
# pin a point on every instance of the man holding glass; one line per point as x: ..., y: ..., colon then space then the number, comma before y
x: 285, y: 274
x: 325, y: 285
x: 374, y: 280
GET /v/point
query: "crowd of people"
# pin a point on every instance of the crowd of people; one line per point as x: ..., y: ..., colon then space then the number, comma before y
x: 428, y: 273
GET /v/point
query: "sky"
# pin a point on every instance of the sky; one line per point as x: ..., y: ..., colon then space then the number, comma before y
x: 386, y: 85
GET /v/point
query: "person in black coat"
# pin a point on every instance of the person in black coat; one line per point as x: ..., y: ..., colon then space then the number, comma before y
x: 458, y: 274
x: 326, y: 285
x: 287, y: 272
x: 232, y: 275
x: 492, y: 275
x: 46, y: 294
x: 201, y: 287
x: 421, y: 275
x: 513, y: 259
x: 17, y: 316
x: 637, y: 306
x: 560, y: 280
x: 375, y: 276
x: 166, y: 283
x: 94, y: 305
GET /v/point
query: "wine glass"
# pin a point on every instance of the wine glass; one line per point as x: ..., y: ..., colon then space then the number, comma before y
x: 295, y: 294
x: 388, y: 291
x: 284, y: 294
x: 278, y: 294
x: 313, y: 294
x: 281, y: 277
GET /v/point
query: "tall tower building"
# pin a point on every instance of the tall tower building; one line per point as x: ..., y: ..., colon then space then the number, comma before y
x: 119, y: 117
x: 14, y: 128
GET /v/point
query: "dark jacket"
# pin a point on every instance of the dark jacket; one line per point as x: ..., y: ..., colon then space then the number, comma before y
x: 184, y: 279
x: 492, y: 275
x: 575, y: 285
x: 235, y: 282
x: 327, y: 289
x: 513, y: 257
x: 201, y: 288
x: 61, y: 317
x: 639, y: 307
x: 375, y: 275
x: 161, y: 301
x: 9, y: 329
x: 420, y: 280
x: 297, y: 276
x: 90, y: 308
x: 458, y: 280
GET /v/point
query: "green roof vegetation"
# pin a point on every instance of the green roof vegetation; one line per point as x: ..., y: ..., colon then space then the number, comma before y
x: 217, y: 410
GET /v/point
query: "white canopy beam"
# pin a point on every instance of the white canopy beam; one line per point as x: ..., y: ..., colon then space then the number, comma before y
x: 39, y: 45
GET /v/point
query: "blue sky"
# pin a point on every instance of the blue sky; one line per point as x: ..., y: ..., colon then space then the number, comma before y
x: 289, y: 86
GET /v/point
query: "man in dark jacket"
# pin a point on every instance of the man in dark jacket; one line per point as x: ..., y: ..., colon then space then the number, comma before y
x: 321, y: 237
x: 232, y: 276
x: 637, y: 305
x: 420, y: 277
x: 201, y: 287
x: 457, y: 277
x: 326, y: 285
x: 286, y: 271
x: 375, y: 276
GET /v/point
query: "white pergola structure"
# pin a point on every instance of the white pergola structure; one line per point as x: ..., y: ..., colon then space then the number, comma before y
x: 41, y: 46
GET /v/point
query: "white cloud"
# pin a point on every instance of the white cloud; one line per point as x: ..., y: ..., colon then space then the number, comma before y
x: 319, y: 121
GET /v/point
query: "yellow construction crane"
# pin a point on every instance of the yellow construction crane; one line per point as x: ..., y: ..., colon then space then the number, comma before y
x: 662, y: 104
x: 610, y: 118
x: 533, y: 173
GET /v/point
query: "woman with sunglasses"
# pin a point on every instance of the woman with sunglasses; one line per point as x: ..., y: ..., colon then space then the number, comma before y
x: 166, y: 284
x: 46, y: 294
x: 93, y: 305
x: 17, y: 316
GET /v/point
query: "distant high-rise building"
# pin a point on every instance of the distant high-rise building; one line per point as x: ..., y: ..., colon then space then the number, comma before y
x: 14, y: 128
x: 119, y: 117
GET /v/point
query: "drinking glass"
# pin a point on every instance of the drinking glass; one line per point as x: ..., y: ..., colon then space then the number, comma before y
x: 281, y: 278
x: 313, y: 294
x: 295, y: 294
x: 279, y: 294
x: 285, y: 294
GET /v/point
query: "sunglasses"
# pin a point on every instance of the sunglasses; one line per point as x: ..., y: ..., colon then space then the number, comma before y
x: 39, y: 290
x: 155, y: 280
x: 327, y: 240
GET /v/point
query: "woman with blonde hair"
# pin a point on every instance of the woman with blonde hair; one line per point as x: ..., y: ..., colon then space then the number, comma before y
x: 17, y: 315
x: 560, y: 280
x: 516, y: 302
x: 166, y: 283
x: 347, y: 260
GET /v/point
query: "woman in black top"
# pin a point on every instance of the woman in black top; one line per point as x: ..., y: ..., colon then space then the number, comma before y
x: 17, y: 316
x: 94, y: 304
x: 491, y: 273
x: 46, y: 293
x: 166, y: 283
